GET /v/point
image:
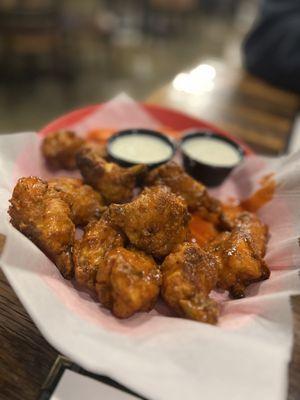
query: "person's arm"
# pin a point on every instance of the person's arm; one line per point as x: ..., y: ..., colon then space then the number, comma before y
x: 272, y: 48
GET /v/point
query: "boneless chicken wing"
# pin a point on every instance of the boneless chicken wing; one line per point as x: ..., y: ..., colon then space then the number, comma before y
x: 188, y: 275
x: 43, y: 216
x: 229, y: 216
x: 240, y: 254
x: 86, y: 204
x: 255, y: 230
x: 156, y: 221
x: 59, y: 149
x: 193, y: 192
x: 89, y: 252
x: 115, y: 183
x: 127, y: 282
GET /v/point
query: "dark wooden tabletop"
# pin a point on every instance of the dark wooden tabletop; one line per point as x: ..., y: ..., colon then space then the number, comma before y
x: 246, y: 107
x: 25, y: 356
x: 260, y: 114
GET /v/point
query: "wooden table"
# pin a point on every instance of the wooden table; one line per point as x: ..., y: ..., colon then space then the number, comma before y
x: 246, y: 107
x: 258, y: 113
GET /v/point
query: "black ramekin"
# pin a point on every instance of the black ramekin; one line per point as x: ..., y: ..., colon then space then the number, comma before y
x: 209, y: 174
x: 148, y: 132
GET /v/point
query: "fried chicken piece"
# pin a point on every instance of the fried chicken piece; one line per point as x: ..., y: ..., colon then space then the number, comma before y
x: 115, y: 183
x: 201, y: 230
x: 59, y: 149
x: 256, y: 231
x: 99, y: 148
x: 229, y: 215
x: 188, y: 276
x: 240, y: 254
x: 127, y: 282
x: 45, y: 218
x: 193, y: 192
x: 98, y: 239
x: 86, y: 204
x: 156, y: 221
x: 236, y: 217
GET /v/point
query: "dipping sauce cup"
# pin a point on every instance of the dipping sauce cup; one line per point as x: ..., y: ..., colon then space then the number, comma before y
x: 209, y: 157
x: 140, y: 146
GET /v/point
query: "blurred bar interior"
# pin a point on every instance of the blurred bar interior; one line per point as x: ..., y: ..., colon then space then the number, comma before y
x: 56, y: 55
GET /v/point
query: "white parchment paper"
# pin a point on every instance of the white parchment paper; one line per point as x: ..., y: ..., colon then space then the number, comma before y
x: 244, y: 357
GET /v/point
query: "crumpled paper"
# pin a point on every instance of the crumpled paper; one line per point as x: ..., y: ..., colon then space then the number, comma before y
x: 244, y: 357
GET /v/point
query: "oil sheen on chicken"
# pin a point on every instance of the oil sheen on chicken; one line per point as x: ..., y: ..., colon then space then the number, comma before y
x: 128, y: 281
x: 44, y: 217
x: 156, y: 221
x: 189, y: 274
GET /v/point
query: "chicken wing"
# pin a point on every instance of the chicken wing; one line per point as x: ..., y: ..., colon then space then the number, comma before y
x: 255, y: 231
x: 202, y: 231
x: 156, y: 221
x: 229, y: 215
x: 86, y: 204
x: 240, y: 253
x: 98, y: 239
x: 193, y: 192
x: 115, y: 183
x: 188, y: 275
x: 45, y: 218
x: 59, y: 149
x: 128, y: 282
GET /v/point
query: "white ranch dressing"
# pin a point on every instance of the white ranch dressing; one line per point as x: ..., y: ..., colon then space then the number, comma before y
x: 211, y: 151
x: 138, y: 148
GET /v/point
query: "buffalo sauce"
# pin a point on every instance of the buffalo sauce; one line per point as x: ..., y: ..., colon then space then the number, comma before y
x: 202, y: 231
x: 100, y: 135
x: 262, y: 195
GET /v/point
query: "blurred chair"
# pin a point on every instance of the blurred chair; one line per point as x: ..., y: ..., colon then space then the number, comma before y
x: 177, y: 6
x: 226, y: 8
x: 34, y: 39
x: 168, y: 16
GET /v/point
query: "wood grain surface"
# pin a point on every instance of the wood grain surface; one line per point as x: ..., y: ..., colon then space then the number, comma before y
x: 243, y: 105
x: 25, y: 356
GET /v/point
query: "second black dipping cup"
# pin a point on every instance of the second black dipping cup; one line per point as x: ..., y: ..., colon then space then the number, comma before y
x: 209, y: 174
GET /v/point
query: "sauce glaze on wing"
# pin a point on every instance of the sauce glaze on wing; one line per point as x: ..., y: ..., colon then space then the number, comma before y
x: 155, y: 222
x: 44, y: 217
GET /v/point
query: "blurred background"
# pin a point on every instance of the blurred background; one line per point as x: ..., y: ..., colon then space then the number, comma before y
x: 56, y: 55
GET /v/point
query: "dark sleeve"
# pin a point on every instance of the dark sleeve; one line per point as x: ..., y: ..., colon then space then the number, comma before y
x: 272, y: 48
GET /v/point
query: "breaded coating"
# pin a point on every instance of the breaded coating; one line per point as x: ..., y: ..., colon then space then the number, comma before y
x: 86, y: 204
x: 156, y: 221
x: 99, y: 148
x: 128, y: 282
x: 256, y: 231
x: 59, y: 149
x: 98, y: 239
x: 188, y: 276
x: 193, y: 192
x: 240, y: 253
x: 44, y: 217
x: 115, y: 183
x: 228, y: 217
